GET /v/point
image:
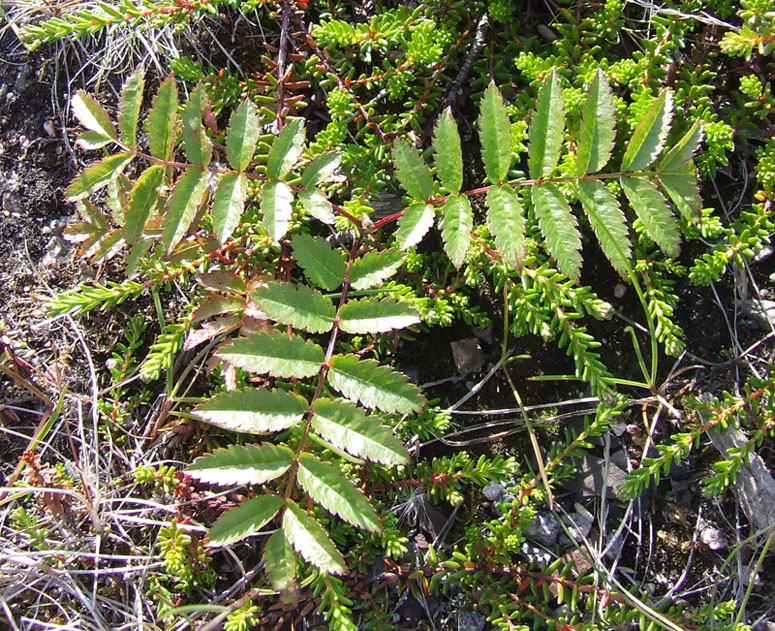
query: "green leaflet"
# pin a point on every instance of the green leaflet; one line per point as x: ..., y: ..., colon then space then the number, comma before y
x: 375, y: 386
x: 255, y: 410
x: 274, y: 353
x: 649, y: 136
x: 317, y: 205
x: 653, y: 212
x: 374, y: 268
x: 228, y: 204
x: 182, y: 206
x: 286, y: 149
x: 276, y: 202
x: 411, y: 170
x: 456, y: 230
x: 92, y: 115
x: 598, y: 128
x: 142, y: 199
x: 310, y: 540
x: 495, y: 135
x: 97, y: 176
x: 242, y: 136
x: 129, y: 107
x: 197, y: 145
x: 376, y: 315
x: 321, y: 169
x: 244, y: 520
x: 328, y: 487
x: 546, y: 129
x: 447, y: 155
x: 684, y: 149
x: 297, y: 306
x: 558, y: 225
x: 242, y: 464
x: 682, y: 189
x: 280, y: 564
x: 507, y: 223
x: 322, y: 265
x: 608, y: 221
x: 160, y: 123
x: 347, y: 427
x: 92, y: 140
x: 414, y: 222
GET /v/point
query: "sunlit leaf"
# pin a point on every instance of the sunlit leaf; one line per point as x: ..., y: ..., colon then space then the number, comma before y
x: 649, y: 136
x: 317, y: 205
x: 321, y: 169
x: 376, y: 315
x: 242, y: 464
x: 198, y: 146
x: 129, y: 107
x: 374, y: 268
x: 323, y: 265
x: 244, y: 520
x: 650, y: 206
x: 142, y: 199
x: 456, y: 230
x: 161, y: 120
x: 296, y: 305
x: 280, y: 563
x: 598, y: 127
x: 254, y: 410
x: 608, y: 221
x: 684, y: 149
x: 546, y: 129
x: 97, y: 176
x: 507, y: 223
x: 92, y: 115
x: 286, y: 149
x: 310, y: 540
x: 414, y: 222
x: 228, y: 204
x: 277, y: 205
x: 411, y: 170
x: 447, y: 154
x: 274, y: 353
x: 495, y: 135
x: 182, y: 206
x: 559, y: 227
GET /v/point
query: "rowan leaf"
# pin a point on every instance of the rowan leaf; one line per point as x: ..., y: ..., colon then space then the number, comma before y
x: 447, y: 155
x: 608, y: 221
x: 244, y: 520
x: 228, y: 204
x: 277, y: 205
x: 374, y: 268
x: 161, y: 120
x: 182, y: 206
x: 280, y: 563
x: 684, y: 149
x: 309, y: 539
x: 327, y: 486
x: 323, y: 265
x: 242, y: 464
x: 197, y: 145
x: 373, y: 385
x: 495, y: 135
x: 92, y: 115
x: 682, y: 189
x: 97, y: 176
x: 559, y: 228
x: 286, y: 149
x: 142, y: 199
x: 649, y: 136
x: 297, y: 306
x: 92, y: 140
x: 254, y: 411
x: 411, y: 170
x: 598, y: 127
x: 507, y: 223
x: 129, y: 107
x: 317, y: 205
x: 242, y: 135
x: 376, y: 315
x: 321, y: 169
x: 274, y: 353
x: 547, y: 128
x: 650, y: 206
x: 414, y: 222
x: 348, y: 427
x: 456, y: 229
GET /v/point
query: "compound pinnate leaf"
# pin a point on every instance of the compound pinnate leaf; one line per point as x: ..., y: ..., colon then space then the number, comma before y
x: 142, y: 199
x: 286, y: 149
x: 129, y: 107
x: 558, y: 225
x: 650, y: 206
x: 374, y: 268
x: 321, y: 169
x: 323, y: 265
x: 682, y: 189
x: 649, y: 136
x: 684, y: 149
x: 375, y: 386
x: 309, y: 539
x: 280, y: 563
x: 244, y: 520
x: 456, y: 230
x: 608, y: 221
x: 182, y: 206
x: 411, y: 170
x: 92, y: 115
x: 277, y: 205
x: 546, y: 129
x: 198, y: 146
x: 348, y: 427
x: 447, y: 154
x: 97, y: 176
x: 274, y: 353
x: 317, y: 205
x: 242, y: 136
x: 414, y: 222
x: 376, y: 315
x: 228, y: 204
x: 161, y: 120
x: 507, y: 223
x: 598, y: 128
x: 495, y: 135
x: 242, y: 464
x: 255, y: 410
x: 297, y: 306
x: 328, y: 487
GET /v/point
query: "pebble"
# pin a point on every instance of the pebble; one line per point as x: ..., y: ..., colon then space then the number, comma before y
x: 762, y: 311
x: 493, y: 491
x: 470, y: 621
x: 536, y: 555
x: 763, y: 254
x: 713, y: 538
x: 544, y: 529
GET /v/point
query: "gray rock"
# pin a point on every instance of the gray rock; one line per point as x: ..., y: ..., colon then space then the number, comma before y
x: 470, y: 621
x: 713, y: 538
x: 468, y: 355
x: 761, y: 311
x: 763, y: 254
x: 594, y: 477
x: 535, y: 554
x: 493, y: 491
x: 544, y: 529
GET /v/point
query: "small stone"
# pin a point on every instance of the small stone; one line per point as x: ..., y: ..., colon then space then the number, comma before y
x: 762, y: 311
x: 49, y: 128
x: 544, y: 529
x: 493, y: 491
x: 468, y: 355
x: 713, y: 538
x: 620, y: 289
x: 536, y: 555
x: 763, y: 254
x: 579, y: 526
x: 470, y: 621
